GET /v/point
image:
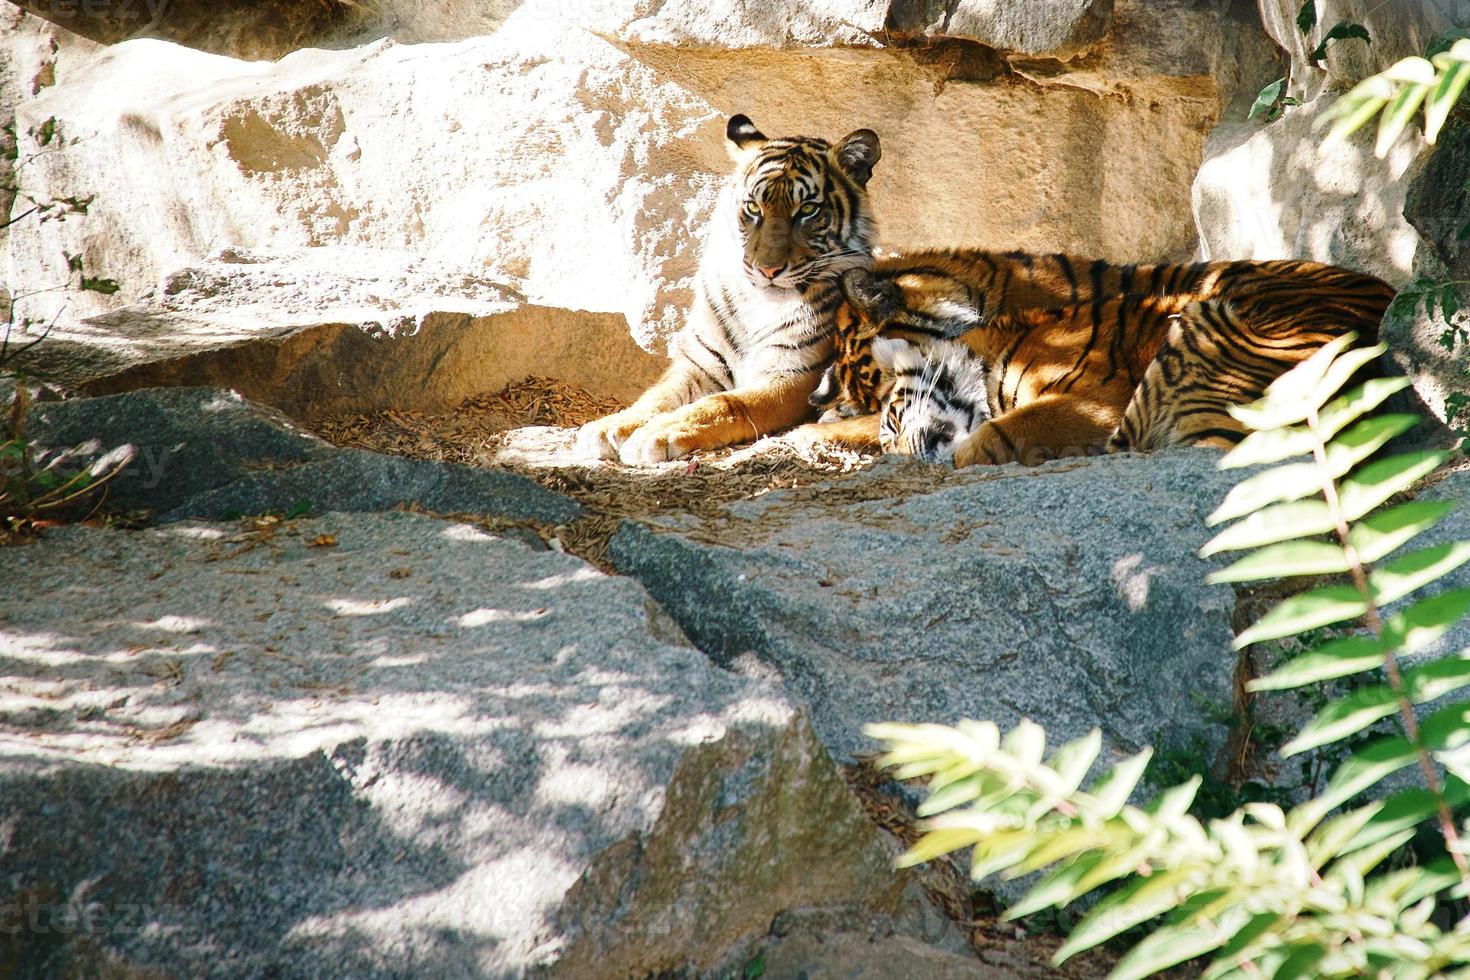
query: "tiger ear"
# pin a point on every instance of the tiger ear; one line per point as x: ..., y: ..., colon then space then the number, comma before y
x: 742, y: 134
x: 857, y: 154
x: 874, y: 300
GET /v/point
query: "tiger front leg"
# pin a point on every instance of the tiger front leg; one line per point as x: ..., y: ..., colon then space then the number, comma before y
x: 604, y: 438
x: 720, y: 420
x: 1049, y: 428
x: 858, y: 433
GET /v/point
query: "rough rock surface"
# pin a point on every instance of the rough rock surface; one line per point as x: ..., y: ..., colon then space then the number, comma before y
x: 371, y: 745
x: 337, y: 329
x: 1069, y: 594
x: 1272, y: 190
x: 591, y: 194
x: 1276, y: 191
x: 202, y: 452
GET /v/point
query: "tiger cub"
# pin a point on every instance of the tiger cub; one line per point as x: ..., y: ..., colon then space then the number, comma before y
x: 1118, y: 372
x: 791, y: 219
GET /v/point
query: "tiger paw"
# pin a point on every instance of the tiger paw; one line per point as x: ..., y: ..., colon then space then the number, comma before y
x: 655, y: 442
x: 985, y: 446
x: 601, y: 439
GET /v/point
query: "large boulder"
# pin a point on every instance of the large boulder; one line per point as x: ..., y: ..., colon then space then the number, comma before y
x: 337, y: 329
x: 203, y: 452
x: 1270, y: 190
x: 378, y: 745
x: 1070, y: 594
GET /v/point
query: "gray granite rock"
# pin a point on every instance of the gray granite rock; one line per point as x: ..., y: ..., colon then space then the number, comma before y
x: 384, y: 745
x: 1069, y: 594
x: 204, y: 452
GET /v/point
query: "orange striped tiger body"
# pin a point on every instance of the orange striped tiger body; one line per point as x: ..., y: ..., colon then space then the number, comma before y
x: 1126, y: 368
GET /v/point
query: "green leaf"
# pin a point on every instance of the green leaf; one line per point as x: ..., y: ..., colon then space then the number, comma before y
x: 1343, y: 717
x: 1380, y: 534
x: 1306, y: 18
x: 1404, y: 303
x: 1071, y: 761
x: 1373, y: 484
x: 1400, y: 111
x: 1398, y: 578
x: 1341, y: 31
x: 954, y: 794
x: 937, y: 843
x: 1411, y: 630
x: 1368, y: 766
x: 1401, y: 811
x: 1437, y: 109
x: 1291, y: 397
x: 1266, y: 101
x: 1358, y: 402
x: 1270, y: 446
x: 1449, y: 301
x: 1365, y: 438
x: 1175, y: 801
x: 1058, y: 888
x: 1309, y: 610
x: 1284, y: 560
x: 1175, y: 944
x: 1432, y: 681
x: 1343, y: 367
x: 1279, y: 522
x: 1447, y: 728
x: 1111, y: 792
x: 1335, y: 658
x: 1136, y: 902
x: 1290, y: 482
x: 1027, y: 742
x: 104, y: 286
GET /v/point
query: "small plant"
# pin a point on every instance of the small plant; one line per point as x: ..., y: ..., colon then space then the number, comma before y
x: 1435, y: 83
x: 1266, y: 890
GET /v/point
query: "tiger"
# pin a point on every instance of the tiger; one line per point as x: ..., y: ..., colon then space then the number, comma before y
x: 1127, y: 369
x: 791, y: 219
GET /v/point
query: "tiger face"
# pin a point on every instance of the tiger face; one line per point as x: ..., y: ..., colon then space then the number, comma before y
x: 937, y: 397
x: 908, y: 308
x: 800, y: 204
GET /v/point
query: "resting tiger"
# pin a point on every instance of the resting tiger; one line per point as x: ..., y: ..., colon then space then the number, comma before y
x: 793, y: 217
x: 1123, y: 358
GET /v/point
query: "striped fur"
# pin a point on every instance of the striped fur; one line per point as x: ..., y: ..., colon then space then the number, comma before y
x: 937, y: 398
x: 791, y: 220
x: 1120, y: 370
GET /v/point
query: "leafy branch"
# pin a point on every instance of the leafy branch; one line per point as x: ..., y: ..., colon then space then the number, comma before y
x: 1264, y: 891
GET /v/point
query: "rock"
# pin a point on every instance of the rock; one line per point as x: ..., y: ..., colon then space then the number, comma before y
x: 819, y: 953
x: 1056, y: 28
x: 260, y: 29
x: 1438, y: 199
x: 1437, y: 373
x: 1275, y: 191
x: 582, y: 170
x: 202, y: 452
x: 336, y: 330
x: 378, y: 745
x: 1397, y: 30
x: 1069, y: 594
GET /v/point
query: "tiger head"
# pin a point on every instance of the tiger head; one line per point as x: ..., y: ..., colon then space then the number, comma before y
x: 915, y: 306
x: 937, y: 398
x: 800, y: 204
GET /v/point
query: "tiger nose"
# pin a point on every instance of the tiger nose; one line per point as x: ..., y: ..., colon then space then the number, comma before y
x: 770, y: 272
